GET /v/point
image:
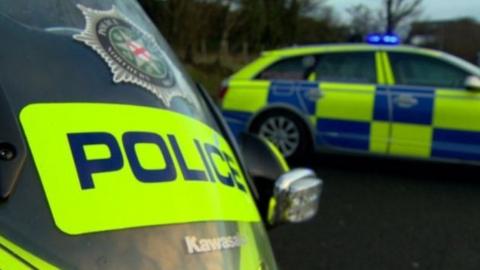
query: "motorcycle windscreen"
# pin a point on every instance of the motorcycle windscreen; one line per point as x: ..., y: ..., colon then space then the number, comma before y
x: 127, y: 168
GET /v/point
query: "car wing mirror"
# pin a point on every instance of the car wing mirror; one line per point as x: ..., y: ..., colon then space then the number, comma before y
x: 472, y: 83
x: 285, y: 196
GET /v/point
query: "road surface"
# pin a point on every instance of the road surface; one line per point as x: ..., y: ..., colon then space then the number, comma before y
x: 387, y: 214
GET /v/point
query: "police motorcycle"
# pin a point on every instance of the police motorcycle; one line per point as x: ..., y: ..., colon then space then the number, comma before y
x: 112, y: 158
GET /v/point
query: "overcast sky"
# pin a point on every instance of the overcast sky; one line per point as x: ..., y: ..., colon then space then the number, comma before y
x: 432, y: 9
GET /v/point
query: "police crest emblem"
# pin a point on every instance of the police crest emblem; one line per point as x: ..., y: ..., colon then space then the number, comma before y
x: 132, y: 54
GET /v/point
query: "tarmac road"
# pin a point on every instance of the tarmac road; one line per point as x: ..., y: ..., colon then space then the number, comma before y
x: 387, y: 214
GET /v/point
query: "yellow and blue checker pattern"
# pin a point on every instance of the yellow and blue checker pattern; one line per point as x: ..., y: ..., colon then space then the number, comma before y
x: 370, y: 118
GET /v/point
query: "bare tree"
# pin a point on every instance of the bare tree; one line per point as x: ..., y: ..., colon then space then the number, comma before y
x: 232, y: 18
x: 363, y: 20
x: 398, y: 11
x: 308, y: 7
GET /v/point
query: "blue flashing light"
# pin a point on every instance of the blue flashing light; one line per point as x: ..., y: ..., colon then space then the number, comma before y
x: 383, y: 39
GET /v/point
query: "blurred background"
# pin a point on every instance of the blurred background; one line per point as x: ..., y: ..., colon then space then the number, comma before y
x: 376, y: 213
x: 215, y: 38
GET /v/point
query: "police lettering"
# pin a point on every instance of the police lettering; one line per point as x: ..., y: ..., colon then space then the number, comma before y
x: 210, y: 155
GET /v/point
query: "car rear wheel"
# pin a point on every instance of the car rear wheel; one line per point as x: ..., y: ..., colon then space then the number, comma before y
x: 286, y: 131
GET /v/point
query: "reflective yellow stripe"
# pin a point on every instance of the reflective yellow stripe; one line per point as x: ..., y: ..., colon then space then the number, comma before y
x: 379, y: 135
x: 132, y: 188
x: 359, y: 100
x: 449, y: 104
x: 246, y: 96
x: 380, y: 70
x: 411, y: 140
x: 312, y: 77
x: 272, y: 206
x: 9, y: 261
x: 389, y: 76
x: 279, y: 156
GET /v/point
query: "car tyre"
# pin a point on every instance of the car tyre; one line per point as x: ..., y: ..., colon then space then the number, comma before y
x: 286, y: 131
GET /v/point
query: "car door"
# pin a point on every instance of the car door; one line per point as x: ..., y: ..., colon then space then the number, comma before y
x: 434, y: 115
x: 288, y: 84
x: 352, y: 113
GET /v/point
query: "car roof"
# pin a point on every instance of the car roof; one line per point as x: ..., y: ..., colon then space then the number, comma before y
x: 312, y: 49
x: 268, y: 57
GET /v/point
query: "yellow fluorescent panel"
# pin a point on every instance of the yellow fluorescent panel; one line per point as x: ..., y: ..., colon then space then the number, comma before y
x: 411, y: 140
x: 379, y: 133
x: 8, y: 261
x: 119, y: 199
x: 246, y: 96
x: 457, y: 110
x: 355, y: 103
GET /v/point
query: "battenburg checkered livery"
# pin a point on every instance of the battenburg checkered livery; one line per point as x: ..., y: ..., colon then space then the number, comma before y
x: 392, y: 100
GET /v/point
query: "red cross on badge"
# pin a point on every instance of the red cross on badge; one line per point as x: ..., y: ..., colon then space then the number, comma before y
x: 139, y: 51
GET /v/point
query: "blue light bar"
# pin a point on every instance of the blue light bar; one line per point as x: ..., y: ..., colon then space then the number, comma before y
x: 383, y: 39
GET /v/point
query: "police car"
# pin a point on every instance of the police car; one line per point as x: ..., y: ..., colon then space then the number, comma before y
x: 367, y: 98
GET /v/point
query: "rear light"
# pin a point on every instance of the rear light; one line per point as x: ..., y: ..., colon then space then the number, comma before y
x: 223, y: 90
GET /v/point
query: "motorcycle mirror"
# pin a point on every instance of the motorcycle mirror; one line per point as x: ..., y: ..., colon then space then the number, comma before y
x: 285, y: 196
x: 472, y: 83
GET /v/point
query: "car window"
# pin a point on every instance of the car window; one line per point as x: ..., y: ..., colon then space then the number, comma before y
x: 295, y: 68
x: 346, y: 67
x: 419, y: 70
